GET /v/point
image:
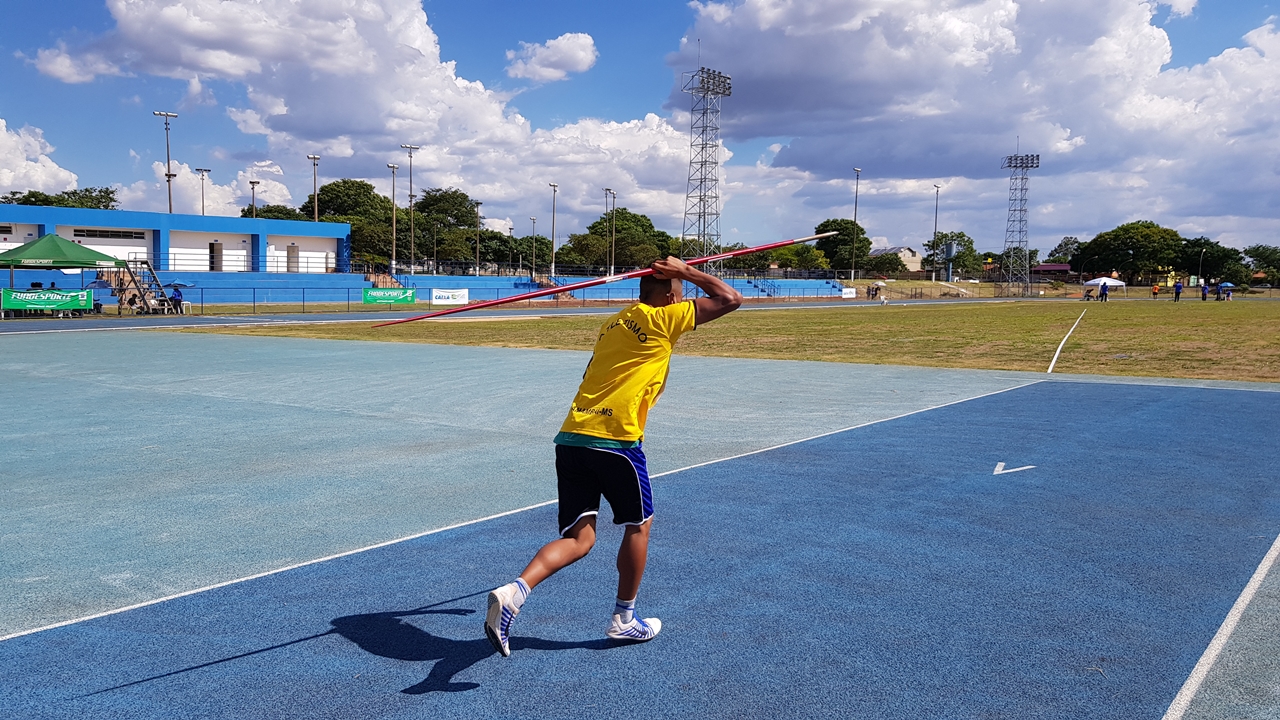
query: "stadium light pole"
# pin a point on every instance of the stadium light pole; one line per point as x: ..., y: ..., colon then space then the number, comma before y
x: 203, y: 172
x: 478, y: 204
x: 613, y: 232
x: 315, y: 187
x: 534, y: 241
x: 413, y: 239
x: 853, y: 252
x: 168, y: 163
x: 554, y: 189
x: 937, y: 193
x: 253, y: 190
x: 393, y: 167
x: 1200, y: 272
x: 607, y: 191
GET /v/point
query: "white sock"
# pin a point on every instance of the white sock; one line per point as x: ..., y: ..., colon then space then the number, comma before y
x: 625, y: 608
x: 522, y: 591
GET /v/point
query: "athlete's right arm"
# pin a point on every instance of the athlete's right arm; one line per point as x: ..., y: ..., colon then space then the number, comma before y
x: 721, y: 298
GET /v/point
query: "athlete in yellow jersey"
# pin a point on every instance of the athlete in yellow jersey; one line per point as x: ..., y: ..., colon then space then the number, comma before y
x: 598, y: 449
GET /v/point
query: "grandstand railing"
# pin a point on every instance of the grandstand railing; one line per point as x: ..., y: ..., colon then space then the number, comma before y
x: 237, y: 261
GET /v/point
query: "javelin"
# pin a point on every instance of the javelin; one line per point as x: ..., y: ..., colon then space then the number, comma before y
x: 601, y: 281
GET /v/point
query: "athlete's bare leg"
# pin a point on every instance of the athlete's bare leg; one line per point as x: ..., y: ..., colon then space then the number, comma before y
x: 632, y: 556
x: 559, y: 554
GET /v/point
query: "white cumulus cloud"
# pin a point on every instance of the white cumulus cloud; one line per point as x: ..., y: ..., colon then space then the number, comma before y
x: 25, y: 163
x: 554, y: 59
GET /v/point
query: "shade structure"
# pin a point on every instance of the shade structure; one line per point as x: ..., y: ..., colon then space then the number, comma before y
x: 1106, y: 281
x: 54, y: 252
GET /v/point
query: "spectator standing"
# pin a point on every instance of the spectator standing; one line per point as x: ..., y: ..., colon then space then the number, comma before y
x: 1155, y: 291
x: 1103, y: 291
x: 1177, y: 291
x: 175, y: 298
x: 1217, y: 292
x: 1204, y: 290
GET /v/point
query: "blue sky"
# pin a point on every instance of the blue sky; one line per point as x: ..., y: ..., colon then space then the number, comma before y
x: 815, y: 94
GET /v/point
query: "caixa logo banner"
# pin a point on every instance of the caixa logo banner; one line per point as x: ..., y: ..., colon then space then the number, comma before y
x: 459, y: 296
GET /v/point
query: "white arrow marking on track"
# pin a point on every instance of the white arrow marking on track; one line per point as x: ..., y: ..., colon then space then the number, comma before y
x: 1001, y: 471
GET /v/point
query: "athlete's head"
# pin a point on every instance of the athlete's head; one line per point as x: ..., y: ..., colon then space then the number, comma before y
x: 660, y: 292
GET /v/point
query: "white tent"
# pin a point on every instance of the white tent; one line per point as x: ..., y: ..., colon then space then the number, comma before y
x: 1110, y: 283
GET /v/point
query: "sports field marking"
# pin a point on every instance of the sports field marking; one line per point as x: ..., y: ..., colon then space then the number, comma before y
x: 1063, y: 343
x: 1001, y: 471
x: 343, y: 554
x: 1182, y: 701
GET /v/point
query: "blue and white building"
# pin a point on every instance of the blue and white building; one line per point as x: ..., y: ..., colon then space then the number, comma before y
x: 188, y: 243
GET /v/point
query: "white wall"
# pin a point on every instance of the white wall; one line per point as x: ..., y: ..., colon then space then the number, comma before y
x: 315, y: 255
x: 21, y: 234
x: 118, y: 248
x: 189, y: 250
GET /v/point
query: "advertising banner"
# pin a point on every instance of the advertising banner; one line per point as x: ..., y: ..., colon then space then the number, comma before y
x: 458, y: 296
x: 46, y: 299
x: 848, y: 293
x: 389, y: 296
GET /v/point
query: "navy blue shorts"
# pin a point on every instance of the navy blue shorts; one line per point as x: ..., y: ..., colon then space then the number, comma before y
x: 583, y: 474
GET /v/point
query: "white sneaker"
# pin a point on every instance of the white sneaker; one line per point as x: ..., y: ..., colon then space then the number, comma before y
x: 497, y: 622
x: 638, y: 630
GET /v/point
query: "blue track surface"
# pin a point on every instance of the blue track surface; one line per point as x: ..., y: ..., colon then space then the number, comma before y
x: 881, y: 572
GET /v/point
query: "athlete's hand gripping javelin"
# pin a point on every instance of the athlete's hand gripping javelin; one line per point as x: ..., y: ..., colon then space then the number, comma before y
x: 721, y: 298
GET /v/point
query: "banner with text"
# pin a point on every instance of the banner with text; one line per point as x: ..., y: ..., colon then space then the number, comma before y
x: 458, y: 296
x: 389, y: 296
x: 46, y: 299
x: 848, y: 293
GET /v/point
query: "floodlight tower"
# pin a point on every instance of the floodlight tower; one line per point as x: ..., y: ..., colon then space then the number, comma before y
x: 701, y: 234
x: 1017, y: 265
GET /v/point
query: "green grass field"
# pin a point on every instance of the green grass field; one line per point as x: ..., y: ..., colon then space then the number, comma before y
x: 1192, y: 339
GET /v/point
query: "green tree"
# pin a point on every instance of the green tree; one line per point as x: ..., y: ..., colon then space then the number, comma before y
x: 885, y: 264
x: 1218, y: 262
x: 1064, y: 251
x: 273, y: 212
x: 447, y: 208
x: 1133, y: 249
x: 966, y: 261
x: 801, y: 257
x: 638, y: 241
x: 349, y: 198
x: 851, y: 244
x: 586, y: 249
x: 94, y: 198
x: 755, y: 261
x: 1265, y: 259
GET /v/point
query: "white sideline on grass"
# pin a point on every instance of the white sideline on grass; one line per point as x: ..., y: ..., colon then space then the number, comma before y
x: 1063, y: 344
x: 335, y: 556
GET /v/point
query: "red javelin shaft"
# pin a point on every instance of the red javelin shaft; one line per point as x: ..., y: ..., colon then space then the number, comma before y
x: 601, y: 281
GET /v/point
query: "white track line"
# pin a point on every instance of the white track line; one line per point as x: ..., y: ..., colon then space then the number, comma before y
x: 1064, y: 342
x: 335, y: 556
x: 1182, y: 701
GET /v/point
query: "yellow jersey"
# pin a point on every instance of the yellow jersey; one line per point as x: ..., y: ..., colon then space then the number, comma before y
x: 627, y: 372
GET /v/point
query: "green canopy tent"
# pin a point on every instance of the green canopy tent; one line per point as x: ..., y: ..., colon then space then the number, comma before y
x: 52, y: 252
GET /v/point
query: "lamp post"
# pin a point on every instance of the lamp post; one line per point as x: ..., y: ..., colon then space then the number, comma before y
x: 394, y: 168
x: 534, y: 275
x: 853, y: 252
x: 253, y: 190
x: 315, y: 187
x: 1082, y: 264
x: 937, y: 192
x: 1200, y: 272
x: 607, y: 191
x: 613, y: 232
x: 203, y: 172
x: 413, y: 239
x: 478, y: 204
x: 168, y: 164
x: 554, y: 189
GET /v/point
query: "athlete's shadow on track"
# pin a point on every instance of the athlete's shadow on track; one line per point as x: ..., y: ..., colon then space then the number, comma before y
x: 387, y: 635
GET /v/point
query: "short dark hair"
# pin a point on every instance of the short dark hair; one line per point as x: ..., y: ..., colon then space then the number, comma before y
x: 651, y: 285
